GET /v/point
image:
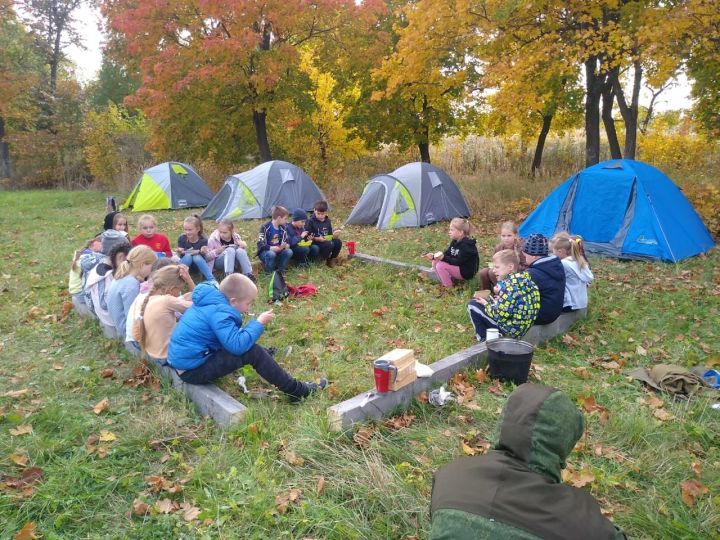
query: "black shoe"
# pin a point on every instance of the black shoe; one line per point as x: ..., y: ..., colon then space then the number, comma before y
x: 311, y: 387
x: 252, y: 277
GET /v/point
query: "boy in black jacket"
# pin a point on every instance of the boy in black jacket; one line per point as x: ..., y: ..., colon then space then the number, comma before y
x: 548, y: 274
x: 324, y: 244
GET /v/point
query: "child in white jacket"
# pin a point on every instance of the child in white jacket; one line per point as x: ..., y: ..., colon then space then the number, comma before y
x: 578, y: 275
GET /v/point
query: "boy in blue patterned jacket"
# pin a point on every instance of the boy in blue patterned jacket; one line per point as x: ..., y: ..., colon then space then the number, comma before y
x: 516, y: 302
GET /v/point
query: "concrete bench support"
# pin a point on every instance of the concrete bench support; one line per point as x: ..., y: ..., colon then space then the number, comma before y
x: 378, y: 260
x: 209, y: 399
x: 369, y: 405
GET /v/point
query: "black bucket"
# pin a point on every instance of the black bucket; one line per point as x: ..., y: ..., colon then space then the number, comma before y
x: 509, y: 359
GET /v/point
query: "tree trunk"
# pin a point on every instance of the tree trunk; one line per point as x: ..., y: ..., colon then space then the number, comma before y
x: 424, y: 149
x: 593, y: 87
x: 537, y: 158
x: 261, y: 135
x: 629, y: 112
x: 607, y: 106
x: 5, y: 171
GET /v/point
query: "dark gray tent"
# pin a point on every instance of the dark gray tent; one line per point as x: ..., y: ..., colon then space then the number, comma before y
x: 253, y: 193
x: 413, y: 195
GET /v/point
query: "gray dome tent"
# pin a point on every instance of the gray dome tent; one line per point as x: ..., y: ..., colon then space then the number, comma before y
x: 413, y: 195
x: 252, y: 194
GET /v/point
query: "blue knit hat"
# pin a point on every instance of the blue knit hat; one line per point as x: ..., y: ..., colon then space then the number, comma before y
x: 299, y: 215
x: 536, y: 245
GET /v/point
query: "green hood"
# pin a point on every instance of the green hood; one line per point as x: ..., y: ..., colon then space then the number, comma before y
x: 540, y: 427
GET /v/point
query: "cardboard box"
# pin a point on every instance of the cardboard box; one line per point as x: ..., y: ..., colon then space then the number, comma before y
x: 404, y: 361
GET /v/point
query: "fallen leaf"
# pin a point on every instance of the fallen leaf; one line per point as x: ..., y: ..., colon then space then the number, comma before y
x: 695, y: 466
x: 283, y: 500
x: 467, y: 449
x: 57, y: 367
x: 481, y: 376
x: 663, y: 415
x: 107, y: 436
x: 398, y: 422
x: 100, y: 406
x: 292, y: 458
x: 578, y: 479
x: 165, y: 506
x: 363, y: 436
x: 496, y: 388
x: 422, y: 397
x: 581, y: 372
x: 28, y: 532
x: 139, y: 508
x: 589, y: 404
x: 16, y: 393
x: 654, y: 402
x: 107, y: 373
x: 19, y: 459
x: 568, y: 339
x: 320, y: 485
x: 690, y: 490
x: 190, y: 512
x: 165, y: 458
x: 611, y: 366
x: 641, y: 350
x: 23, y: 429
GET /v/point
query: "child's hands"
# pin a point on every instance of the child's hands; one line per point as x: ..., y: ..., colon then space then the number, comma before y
x: 184, y: 273
x: 219, y: 250
x: 319, y: 239
x: 304, y: 234
x: 242, y: 244
x: 428, y: 256
x: 496, y: 289
x: 180, y: 251
x: 203, y: 250
x: 266, y: 317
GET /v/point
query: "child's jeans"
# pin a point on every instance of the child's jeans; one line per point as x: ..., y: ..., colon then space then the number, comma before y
x: 446, y: 272
x: 301, y: 254
x: 329, y: 249
x: 200, y: 263
x: 481, y: 321
x: 226, y: 260
x: 223, y: 362
x: 276, y: 261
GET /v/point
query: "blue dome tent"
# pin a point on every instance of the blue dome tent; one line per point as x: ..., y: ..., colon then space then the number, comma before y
x: 623, y: 208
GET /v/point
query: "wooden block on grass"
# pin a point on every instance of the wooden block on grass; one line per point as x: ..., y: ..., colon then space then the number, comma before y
x: 209, y: 399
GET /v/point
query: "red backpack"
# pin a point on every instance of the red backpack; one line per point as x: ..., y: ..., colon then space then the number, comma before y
x: 307, y: 289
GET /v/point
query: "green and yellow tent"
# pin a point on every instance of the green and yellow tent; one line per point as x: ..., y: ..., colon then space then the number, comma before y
x: 170, y: 185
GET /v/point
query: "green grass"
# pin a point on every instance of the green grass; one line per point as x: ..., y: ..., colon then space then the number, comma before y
x: 380, y: 491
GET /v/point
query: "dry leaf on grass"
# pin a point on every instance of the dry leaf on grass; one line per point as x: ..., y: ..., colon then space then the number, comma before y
x: 292, y: 458
x: 481, y: 376
x: 107, y: 436
x: 690, y: 490
x: 641, y: 351
x: 496, y: 388
x: 189, y: 512
x: 100, y: 406
x: 23, y: 429
x: 663, y: 415
x: 579, y: 479
x: 474, y: 444
x: 139, y: 508
x: 166, y: 506
x: 654, y: 402
x: 16, y: 393
x: 589, y: 404
x: 399, y: 422
x: 283, y: 500
x: 581, y: 372
x: 695, y: 466
x: 107, y: 373
x: 57, y: 367
x: 363, y: 436
x: 19, y: 459
x: 422, y: 397
x: 28, y: 532
x: 320, y: 485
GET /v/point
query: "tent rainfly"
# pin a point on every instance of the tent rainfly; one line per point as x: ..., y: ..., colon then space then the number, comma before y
x: 170, y: 185
x: 623, y: 208
x: 413, y: 195
x: 252, y: 194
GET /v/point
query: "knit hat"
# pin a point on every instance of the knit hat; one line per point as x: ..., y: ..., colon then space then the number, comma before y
x: 536, y: 245
x: 112, y: 238
x: 299, y: 215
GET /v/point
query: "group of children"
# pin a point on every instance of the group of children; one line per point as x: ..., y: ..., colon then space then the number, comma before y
x: 529, y: 282
x: 134, y: 287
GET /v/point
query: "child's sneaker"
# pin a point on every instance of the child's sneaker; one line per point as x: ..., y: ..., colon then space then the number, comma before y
x: 251, y: 277
x: 312, y: 387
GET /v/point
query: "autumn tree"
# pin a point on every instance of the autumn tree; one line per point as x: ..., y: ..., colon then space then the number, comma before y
x: 215, y: 67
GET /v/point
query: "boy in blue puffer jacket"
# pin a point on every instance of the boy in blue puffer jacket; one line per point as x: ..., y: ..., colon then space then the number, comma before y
x: 210, y: 341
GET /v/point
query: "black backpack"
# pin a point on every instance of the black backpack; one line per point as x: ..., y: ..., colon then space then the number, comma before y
x: 277, y: 290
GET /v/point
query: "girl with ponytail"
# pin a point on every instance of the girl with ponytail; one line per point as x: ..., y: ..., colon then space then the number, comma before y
x: 158, y: 312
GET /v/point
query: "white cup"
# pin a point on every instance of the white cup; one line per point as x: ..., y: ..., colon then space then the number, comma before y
x: 492, y: 333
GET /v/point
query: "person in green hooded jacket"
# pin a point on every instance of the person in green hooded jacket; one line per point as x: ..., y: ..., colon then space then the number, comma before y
x: 515, y: 490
